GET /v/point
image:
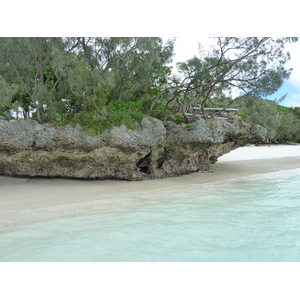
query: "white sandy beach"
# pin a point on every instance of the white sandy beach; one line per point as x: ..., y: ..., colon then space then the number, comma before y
x: 30, y: 200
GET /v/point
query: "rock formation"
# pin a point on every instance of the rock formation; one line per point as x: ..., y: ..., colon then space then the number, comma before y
x: 154, y: 150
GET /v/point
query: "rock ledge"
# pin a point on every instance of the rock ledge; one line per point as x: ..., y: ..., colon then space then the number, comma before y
x: 154, y: 150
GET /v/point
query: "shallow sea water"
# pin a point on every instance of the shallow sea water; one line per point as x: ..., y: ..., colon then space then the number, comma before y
x: 253, y: 219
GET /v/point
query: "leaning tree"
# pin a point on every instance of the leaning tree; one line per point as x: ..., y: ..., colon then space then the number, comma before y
x: 233, y: 68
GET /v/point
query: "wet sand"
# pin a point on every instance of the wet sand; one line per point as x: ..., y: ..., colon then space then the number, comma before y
x: 31, y: 200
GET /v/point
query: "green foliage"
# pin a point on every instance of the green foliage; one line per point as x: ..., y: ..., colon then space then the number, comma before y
x: 245, y: 117
x: 27, y: 64
x: 296, y: 112
x: 7, y: 92
x: 284, y: 110
x: 104, y: 82
x: 179, y: 119
x: 145, y: 105
x: 245, y: 65
x: 159, y: 111
x: 280, y: 122
x: 116, y: 114
x: 209, y: 124
x: 130, y: 106
x: 117, y: 118
x: 190, y: 126
x: 85, y: 73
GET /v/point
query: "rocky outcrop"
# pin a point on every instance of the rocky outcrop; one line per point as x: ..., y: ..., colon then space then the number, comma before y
x: 154, y: 150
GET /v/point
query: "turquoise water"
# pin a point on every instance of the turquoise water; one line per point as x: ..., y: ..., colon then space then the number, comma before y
x: 250, y: 219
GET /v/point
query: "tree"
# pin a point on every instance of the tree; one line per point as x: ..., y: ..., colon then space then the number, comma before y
x: 296, y: 112
x: 7, y: 92
x: 142, y: 74
x: 56, y: 78
x: 280, y: 122
x: 234, y: 66
x: 24, y: 63
x: 103, y: 70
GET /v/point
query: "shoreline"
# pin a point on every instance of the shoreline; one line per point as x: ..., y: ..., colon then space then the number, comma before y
x: 26, y: 200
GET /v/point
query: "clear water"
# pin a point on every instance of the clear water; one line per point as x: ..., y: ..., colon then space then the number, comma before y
x: 250, y: 219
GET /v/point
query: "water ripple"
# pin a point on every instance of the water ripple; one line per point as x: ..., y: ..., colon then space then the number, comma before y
x: 246, y: 220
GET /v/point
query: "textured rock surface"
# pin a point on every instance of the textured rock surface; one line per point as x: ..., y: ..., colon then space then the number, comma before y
x: 154, y: 150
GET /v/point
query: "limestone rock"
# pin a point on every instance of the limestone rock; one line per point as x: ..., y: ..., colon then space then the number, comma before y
x: 154, y: 150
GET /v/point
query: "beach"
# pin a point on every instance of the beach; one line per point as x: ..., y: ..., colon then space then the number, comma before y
x: 24, y: 200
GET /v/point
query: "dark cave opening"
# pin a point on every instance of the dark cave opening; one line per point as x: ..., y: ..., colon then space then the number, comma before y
x: 144, y: 164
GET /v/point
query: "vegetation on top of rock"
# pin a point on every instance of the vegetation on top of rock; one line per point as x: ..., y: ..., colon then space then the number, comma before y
x: 282, y: 123
x: 114, y: 114
x: 101, y: 82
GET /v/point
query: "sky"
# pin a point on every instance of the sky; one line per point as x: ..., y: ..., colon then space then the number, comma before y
x: 291, y: 86
x: 187, y: 47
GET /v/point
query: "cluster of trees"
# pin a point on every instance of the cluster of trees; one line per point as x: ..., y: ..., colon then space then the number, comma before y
x: 101, y: 82
x: 282, y: 123
x: 56, y: 78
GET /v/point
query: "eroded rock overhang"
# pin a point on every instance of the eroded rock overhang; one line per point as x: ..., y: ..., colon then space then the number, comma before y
x: 155, y: 150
